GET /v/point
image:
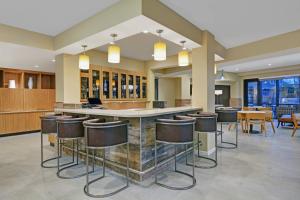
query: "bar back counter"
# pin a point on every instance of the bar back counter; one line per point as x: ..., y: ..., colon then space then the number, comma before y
x: 141, y: 137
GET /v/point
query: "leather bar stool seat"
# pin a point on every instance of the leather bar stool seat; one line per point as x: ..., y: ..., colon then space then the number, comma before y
x: 102, y: 135
x: 69, y: 129
x: 227, y: 116
x: 206, y: 123
x: 178, y: 131
x: 49, y: 126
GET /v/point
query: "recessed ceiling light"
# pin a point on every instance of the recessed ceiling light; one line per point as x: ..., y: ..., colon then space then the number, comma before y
x: 270, y: 64
x: 36, y: 66
x: 146, y: 31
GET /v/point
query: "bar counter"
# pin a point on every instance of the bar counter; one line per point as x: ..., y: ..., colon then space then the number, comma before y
x: 141, y: 137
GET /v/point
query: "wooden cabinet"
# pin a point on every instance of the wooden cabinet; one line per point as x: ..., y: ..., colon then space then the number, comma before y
x: 11, y: 123
x: 113, y: 84
x: 21, y: 107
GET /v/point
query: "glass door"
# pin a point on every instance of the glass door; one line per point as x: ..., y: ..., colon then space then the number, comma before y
x: 251, y: 92
x: 138, y: 86
x: 105, y: 85
x: 130, y: 86
x: 123, y: 86
x: 115, y: 85
x: 96, y: 83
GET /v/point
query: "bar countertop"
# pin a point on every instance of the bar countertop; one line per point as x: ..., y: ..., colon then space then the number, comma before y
x: 139, y: 112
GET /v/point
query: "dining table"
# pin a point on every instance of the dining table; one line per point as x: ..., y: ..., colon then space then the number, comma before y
x: 243, y: 116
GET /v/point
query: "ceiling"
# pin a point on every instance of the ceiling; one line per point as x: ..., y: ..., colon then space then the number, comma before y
x: 140, y: 46
x: 262, y: 64
x: 26, y: 58
x: 237, y: 22
x: 49, y: 17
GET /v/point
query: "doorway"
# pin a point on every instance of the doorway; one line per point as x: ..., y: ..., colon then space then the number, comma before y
x: 222, y: 98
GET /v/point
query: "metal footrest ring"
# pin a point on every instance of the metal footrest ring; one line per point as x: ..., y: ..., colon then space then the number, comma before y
x: 179, y: 188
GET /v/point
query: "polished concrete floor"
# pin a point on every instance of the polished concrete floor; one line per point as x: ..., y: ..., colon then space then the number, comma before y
x: 261, y: 168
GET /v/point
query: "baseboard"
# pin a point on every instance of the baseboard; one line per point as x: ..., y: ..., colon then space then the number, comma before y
x: 18, y: 133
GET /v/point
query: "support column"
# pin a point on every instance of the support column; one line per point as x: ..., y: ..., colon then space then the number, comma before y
x: 67, y: 79
x: 151, y: 87
x: 203, y: 81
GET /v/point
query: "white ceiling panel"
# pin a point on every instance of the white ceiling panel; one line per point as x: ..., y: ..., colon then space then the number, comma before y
x: 49, y: 17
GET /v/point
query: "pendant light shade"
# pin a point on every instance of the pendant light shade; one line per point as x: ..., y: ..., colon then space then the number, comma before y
x: 84, y: 60
x: 183, y: 56
x: 114, y: 51
x: 160, y: 49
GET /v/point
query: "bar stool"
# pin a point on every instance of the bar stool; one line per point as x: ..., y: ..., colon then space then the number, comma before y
x: 49, y: 125
x: 206, y: 123
x: 227, y: 116
x: 179, y: 131
x: 69, y: 129
x: 101, y: 135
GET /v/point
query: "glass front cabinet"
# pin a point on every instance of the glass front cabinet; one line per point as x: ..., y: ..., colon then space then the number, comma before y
x: 112, y: 84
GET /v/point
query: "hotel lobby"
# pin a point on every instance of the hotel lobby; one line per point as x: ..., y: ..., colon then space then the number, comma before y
x: 149, y: 99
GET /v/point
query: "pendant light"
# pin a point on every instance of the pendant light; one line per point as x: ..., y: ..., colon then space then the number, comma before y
x: 183, y: 56
x: 160, y: 48
x: 84, y: 60
x: 113, y: 51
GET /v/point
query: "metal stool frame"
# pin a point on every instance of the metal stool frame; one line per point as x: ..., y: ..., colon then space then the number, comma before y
x: 60, y: 142
x: 43, y: 162
x: 232, y: 145
x: 176, y: 170
x: 215, y: 160
x: 88, y: 182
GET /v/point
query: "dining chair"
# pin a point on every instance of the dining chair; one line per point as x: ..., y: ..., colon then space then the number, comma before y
x: 296, y: 121
x: 256, y: 118
x: 269, y: 118
x: 242, y: 119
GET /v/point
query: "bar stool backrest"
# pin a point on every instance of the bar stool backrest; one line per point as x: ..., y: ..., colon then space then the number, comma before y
x: 70, y: 127
x: 48, y: 122
x: 179, y: 130
x: 103, y: 134
x: 229, y: 115
x: 206, y: 122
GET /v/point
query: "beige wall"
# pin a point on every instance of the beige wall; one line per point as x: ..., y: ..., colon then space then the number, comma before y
x: 232, y: 79
x: 185, y: 87
x: 169, y: 90
x: 68, y: 73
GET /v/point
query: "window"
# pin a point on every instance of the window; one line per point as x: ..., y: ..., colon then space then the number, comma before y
x: 289, y: 90
x: 272, y: 92
x: 268, y: 93
x: 252, y: 94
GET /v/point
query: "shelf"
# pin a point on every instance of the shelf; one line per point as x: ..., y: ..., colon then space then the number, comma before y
x: 35, y: 79
x: 12, y: 75
x: 48, y: 81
